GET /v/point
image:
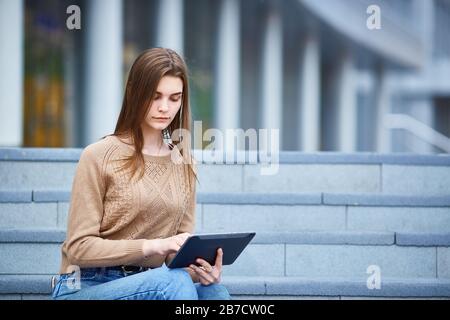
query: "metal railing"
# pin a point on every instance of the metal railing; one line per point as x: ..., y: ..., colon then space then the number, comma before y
x: 419, y: 129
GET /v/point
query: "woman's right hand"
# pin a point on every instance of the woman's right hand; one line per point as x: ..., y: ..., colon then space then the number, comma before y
x: 174, y: 243
x: 165, y: 246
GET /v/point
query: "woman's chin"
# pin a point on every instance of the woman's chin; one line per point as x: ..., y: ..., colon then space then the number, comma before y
x: 158, y: 126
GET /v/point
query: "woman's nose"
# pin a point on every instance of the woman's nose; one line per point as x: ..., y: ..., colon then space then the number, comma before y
x: 163, y: 106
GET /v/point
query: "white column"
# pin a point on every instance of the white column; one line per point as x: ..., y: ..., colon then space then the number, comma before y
x: 228, y: 69
x: 12, y: 69
x: 309, y: 89
x: 103, y: 82
x: 424, y: 10
x: 170, y: 25
x: 346, y: 104
x: 272, y: 72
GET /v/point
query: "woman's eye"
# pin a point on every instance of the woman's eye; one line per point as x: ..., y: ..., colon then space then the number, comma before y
x: 171, y: 99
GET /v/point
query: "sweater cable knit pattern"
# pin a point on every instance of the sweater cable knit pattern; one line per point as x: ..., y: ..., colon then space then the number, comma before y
x: 111, y: 214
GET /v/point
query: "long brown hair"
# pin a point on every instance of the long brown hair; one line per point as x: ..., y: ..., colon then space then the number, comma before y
x: 143, y: 79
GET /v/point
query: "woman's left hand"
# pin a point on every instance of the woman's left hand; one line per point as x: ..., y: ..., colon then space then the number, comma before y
x: 206, y: 273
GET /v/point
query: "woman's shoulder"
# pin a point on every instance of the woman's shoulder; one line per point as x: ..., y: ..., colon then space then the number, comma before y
x: 98, y: 149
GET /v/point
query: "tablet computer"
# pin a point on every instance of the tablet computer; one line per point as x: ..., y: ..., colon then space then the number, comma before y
x: 205, y: 246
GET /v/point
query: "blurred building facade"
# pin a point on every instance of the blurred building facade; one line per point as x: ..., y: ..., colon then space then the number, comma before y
x: 311, y: 68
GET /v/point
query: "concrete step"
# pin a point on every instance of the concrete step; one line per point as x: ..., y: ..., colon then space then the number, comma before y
x: 303, y: 254
x: 38, y: 287
x: 323, y: 211
x: 222, y: 212
x: 334, y: 287
x: 28, y: 168
x: 34, y: 209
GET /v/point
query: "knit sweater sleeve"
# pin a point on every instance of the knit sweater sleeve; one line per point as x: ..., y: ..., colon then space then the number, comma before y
x: 85, y: 247
x: 188, y: 222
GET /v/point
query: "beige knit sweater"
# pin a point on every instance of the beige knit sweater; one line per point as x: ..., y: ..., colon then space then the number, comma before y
x: 110, y: 215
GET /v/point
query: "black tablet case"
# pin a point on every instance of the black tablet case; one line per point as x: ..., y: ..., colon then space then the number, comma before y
x: 205, y: 246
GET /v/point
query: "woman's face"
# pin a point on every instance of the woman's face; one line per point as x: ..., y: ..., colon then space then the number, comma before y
x: 166, y: 103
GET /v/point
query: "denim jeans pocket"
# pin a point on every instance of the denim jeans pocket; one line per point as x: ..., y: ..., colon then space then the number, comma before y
x: 66, y: 285
x: 55, y: 289
x: 73, y: 282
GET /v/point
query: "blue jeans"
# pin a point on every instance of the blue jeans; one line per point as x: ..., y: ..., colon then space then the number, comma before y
x: 154, y: 284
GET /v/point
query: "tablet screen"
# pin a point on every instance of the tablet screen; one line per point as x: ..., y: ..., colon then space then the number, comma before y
x: 205, y: 246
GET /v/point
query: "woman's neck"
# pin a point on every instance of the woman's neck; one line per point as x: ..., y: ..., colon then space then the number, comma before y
x: 152, y: 137
x: 153, y: 141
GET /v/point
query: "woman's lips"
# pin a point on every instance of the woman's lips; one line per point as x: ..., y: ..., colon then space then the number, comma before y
x: 160, y: 119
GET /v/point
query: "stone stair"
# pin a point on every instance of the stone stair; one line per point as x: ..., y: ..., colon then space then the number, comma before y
x: 320, y: 223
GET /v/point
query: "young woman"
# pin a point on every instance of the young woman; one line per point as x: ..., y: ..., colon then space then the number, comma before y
x: 133, y: 198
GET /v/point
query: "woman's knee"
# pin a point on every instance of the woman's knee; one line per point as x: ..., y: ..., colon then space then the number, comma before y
x: 168, y: 284
x: 176, y: 284
x: 215, y: 291
x: 181, y: 286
